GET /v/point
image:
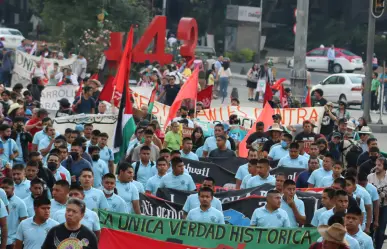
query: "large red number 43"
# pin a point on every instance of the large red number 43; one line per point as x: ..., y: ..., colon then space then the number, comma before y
x: 187, y: 32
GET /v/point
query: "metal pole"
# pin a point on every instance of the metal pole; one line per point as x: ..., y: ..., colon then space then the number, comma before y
x: 260, y: 34
x: 164, y: 7
x: 381, y: 94
x: 368, y: 76
x: 298, y: 75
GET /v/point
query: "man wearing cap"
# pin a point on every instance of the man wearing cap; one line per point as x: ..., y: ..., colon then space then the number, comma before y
x: 95, y: 85
x: 64, y: 108
x: 364, y: 134
x: 307, y: 135
x: 328, y: 120
x: 342, y: 128
x: 275, y: 132
x: 334, y: 145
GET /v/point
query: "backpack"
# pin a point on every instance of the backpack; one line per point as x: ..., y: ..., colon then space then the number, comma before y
x: 137, y: 167
x: 352, y: 154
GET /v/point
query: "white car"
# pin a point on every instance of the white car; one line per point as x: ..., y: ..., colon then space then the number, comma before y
x: 11, y: 38
x: 344, y: 86
x: 345, y: 61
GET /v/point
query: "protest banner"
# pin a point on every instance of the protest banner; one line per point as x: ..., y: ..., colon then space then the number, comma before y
x: 200, y: 170
x: 123, y: 240
x: 230, y: 164
x: 103, y: 122
x: 51, y: 95
x: 25, y: 64
x: 205, y: 96
x: 207, y: 235
x: 290, y: 116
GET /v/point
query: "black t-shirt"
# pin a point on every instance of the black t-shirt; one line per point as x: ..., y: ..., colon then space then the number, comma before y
x: 171, y: 93
x: 267, y: 145
x: 321, y: 102
x: 327, y: 124
x: 257, y: 140
x: 307, y: 138
x: 222, y: 153
x: 85, y: 106
x: 60, y: 237
x: 366, y: 167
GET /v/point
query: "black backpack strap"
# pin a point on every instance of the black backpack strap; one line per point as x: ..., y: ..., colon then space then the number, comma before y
x: 152, y: 164
x: 136, y: 170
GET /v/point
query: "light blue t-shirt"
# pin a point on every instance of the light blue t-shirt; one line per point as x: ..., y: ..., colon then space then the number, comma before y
x: 95, y: 199
x: 29, y: 202
x: 245, y: 181
x: 211, y: 215
x: 264, y: 218
x: 144, y: 172
x: 153, y: 184
x: 190, y: 155
x: 40, y: 135
x: 10, y: 147
x: 300, y: 207
x: 17, y: 210
x: 299, y: 162
x: 3, y: 210
x: 257, y: 180
x: 327, y: 181
x: 277, y: 152
x: 117, y: 204
x: 3, y: 197
x: 19, y: 157
x: 100, y: 168
x: 33, y: 235
x: 22, y: 190
x: 317, y: 176
x: 316, y: 216
x: 364, y: 240
x: 210, y: 144
x: 139, y: 186
x: 180, y: 182
x: 90, y: 219
x: 106, y: 154
x: 128, y: 192
x: 373, y: 191
x: 194, y: 202
x: 242, y: 171
x: 43, y: 144
x: 63, y: 170
x: 56, y: 206
x: 363, y: 193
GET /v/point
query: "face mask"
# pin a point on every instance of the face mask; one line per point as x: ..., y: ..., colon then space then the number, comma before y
x: 108, y: 192
x: 19, y: 128
x: 284, y: 144
x: 184, y: 116
x: 51, y: 166
x: 95, y: 157
x: 6, y: 137
x: 74, y: 155
x: 373, y: 158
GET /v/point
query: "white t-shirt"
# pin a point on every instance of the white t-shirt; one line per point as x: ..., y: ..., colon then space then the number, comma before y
x: 224, y: 73
x: 171, y: 41
x: 80, y: 66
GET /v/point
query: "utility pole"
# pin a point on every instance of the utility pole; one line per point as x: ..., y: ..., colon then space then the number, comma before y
x: 376, y: 10
x: 164, y: 7
x: 260, y: 34
x: 298, y: 75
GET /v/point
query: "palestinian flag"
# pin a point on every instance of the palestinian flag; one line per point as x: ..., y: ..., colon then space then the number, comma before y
x: 125, y: 123
x: 152, y: 98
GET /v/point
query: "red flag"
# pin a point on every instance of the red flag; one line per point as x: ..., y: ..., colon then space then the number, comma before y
x: 268, y: 94
x: 188, y: 91
x: 94, y: 77
x: 308, y: 99
x: 124, y: 240
x: 205, y: 96
x: 277, y: 84
x: 79, y: 92
x: 265, y: 116
x: 283, y: 98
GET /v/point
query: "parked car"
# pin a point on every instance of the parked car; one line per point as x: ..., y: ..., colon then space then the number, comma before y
x: 345, y: 61
x: 11, y: 38
x: 344, y: 86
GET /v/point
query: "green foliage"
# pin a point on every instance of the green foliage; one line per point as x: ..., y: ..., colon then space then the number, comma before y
x: 247, y: 54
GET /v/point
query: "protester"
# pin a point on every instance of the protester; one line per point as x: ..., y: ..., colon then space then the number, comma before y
x: 94, y: 198
x: 302, y: 179
x: 315, y: 179
x: 154, y: 151
x: 60, y: 192
x: 293, y: 206
x: 116, y: 203
x: 252, y: 170
x: 263, y: 175
x: 333, y: 237
x: 341, y: 206
x: 206, y: 213
x: 328, y: 202
x: 337, y: 169
x: 353, y: 220
x: 153, y: 183
x: 278, y: 152
x: 85, y: 103
x: 211, y: 142
x: 222, y: 150
x: 368, y: 165
x: 177, y: 179
x: 293, y: 160
x: 242, y: 171
x: 186, y: 152
x: 172, y: 140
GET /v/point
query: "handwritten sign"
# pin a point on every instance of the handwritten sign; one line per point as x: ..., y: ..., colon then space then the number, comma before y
x: 51, y: 95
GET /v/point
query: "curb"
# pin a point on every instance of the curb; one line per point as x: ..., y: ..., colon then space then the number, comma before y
x: 283, y: 60
x: 378, y: 128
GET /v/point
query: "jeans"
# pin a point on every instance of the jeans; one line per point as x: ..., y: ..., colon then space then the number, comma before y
x: 6, y: 77
x: 379, y: 233
x: 330, y: 66
x: 374, y: 101
x: 223, y: 84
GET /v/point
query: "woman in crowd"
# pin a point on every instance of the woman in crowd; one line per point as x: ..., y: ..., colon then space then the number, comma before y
x: 252, y: 80
x: 342, y: 111
x: 197, y: 138
x: 224, y: 76
x: 362, y: 122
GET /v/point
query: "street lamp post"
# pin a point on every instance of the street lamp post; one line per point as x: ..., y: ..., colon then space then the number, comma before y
x: 260, y: 34
x: 164, y: 7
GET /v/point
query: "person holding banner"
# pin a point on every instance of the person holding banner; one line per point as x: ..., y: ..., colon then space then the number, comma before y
x: 271, y: 215
x: 206, y: 213
x: 193, y: 201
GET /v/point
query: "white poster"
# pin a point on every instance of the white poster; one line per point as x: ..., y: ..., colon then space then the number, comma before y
x: 51, y: 95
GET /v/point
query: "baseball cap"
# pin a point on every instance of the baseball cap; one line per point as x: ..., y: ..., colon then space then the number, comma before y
x: 336, y: 134
x: 28, y: 112
x: 64, y: 102
x: 79, y: 127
